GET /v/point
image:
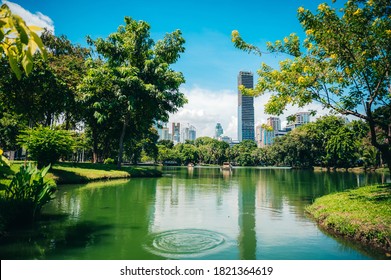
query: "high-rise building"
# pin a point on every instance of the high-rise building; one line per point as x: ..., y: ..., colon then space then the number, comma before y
x: 300, y: 119
x: 176, y: 132
x: 162, y: 130
x: 218, y: 131
x: 274, y: 122
x: 165, y: 134
x: 266, y: 135
x: 245, y: 108
x: 192, y: 133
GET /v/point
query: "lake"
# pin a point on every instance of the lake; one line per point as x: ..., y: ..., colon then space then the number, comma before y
x: 191, y: 213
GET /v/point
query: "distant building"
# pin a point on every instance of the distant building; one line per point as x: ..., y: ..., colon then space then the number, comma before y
x: 162, y: 130
x: 176, y: 132
x: 226, y: 139
x: 218, y: 131
x: 274, y: 122
x: 165, y: 134
x: 245, y: 108
x: 266, y: 133
x: 185, y: 134
x: 300, y: 119
x: 192, y: 133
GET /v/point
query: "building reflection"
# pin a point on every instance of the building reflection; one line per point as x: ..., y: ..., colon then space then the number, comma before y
x: 247, y: 240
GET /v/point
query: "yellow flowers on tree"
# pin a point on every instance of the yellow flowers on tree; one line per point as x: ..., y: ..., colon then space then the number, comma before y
x: 344, y: 63
x: 18, y: 41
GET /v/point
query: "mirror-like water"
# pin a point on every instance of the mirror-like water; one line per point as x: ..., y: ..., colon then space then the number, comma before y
x: 197, y: 213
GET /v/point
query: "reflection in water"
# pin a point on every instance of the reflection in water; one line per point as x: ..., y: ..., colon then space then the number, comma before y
x: 247, y: 238
x: 197, y: 213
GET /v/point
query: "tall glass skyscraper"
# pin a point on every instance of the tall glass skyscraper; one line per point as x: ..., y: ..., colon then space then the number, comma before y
x: 245, y: 108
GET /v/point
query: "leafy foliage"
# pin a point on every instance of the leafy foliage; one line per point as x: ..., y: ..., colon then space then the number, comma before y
x: 27, y: 193
x: 46, y: 145
x: 18, y: 41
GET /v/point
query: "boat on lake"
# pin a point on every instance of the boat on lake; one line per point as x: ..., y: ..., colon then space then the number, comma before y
x: 226, y: 166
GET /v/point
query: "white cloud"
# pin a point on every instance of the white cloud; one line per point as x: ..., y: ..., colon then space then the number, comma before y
x: 37, y: 19
x: 207, y: 107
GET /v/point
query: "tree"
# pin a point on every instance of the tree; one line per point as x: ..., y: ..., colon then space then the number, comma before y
x: 188, y: 153
x: 18, y: 41
x: 244, y: 153
x: 101, y: 109
x: 50, y: 88
x: 145, y: 87
x: 344, y: 63
x: 67, y: 63
x: 342, y: 148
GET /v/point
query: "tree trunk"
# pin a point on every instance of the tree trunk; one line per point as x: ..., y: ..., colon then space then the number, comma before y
x: 121, y: 143
x: 94, y: 146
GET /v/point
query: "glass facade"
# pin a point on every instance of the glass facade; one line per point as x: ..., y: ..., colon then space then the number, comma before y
x: 245, y: 108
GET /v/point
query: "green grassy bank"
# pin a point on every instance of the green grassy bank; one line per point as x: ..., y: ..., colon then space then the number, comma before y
x: 362, y: 215
x: 75, y: 173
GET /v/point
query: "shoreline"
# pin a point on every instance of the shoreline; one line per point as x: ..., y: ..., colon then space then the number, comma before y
x: 78, y: 173
x: 361, y: 215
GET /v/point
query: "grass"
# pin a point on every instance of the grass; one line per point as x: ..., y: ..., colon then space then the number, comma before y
x: 362, y: 215
x: 75, y: 173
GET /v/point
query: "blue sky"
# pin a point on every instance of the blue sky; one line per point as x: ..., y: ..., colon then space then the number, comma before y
x: 210, y: 63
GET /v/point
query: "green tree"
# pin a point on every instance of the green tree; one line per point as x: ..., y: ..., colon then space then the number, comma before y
x: 18, y: 41
x: 100, y: 107
x: 319, y: 133
x: 67, y: 63
x: 167, y: 143
x: 188, y: 153
x: 344, y: 63
x: 141, y: 74
x: 244, y: 153
x: 342, y: 148
x: 46, y: 145
x: 49, y: 91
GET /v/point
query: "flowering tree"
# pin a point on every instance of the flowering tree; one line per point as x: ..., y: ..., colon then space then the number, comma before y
x: 344, y: 63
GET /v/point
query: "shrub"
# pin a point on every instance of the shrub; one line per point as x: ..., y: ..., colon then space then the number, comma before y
x: 24, y: 198
x: 46, y: 145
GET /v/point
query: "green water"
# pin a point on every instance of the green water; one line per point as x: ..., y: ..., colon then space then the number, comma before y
x: 197, y: 213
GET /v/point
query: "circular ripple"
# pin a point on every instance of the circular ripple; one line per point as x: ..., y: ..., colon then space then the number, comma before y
x: 184, y: 242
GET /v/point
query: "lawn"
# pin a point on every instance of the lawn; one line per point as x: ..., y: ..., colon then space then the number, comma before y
x: 362, y: 214
x: 74, y: 173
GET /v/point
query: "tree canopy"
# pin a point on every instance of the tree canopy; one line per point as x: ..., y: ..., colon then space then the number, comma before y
x: 143, y: 87
x: 344, y: 63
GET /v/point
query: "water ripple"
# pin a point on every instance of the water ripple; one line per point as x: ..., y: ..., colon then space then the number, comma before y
x: 184, y: 242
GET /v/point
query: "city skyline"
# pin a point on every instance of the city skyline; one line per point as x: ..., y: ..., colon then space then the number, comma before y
x: 210, y: 63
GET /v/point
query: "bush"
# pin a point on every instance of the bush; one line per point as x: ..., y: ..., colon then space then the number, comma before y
x: 46, y: 145
x: 108, y: 161
x: 24, y: 198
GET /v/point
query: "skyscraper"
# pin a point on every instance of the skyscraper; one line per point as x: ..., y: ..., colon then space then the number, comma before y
x: 265, y: 136
x: 192, y: 133
x: 218, y: 130
x: 245, y: 108
x: 176, y: 132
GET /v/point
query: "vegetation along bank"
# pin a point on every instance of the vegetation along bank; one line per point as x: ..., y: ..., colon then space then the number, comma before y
x: 362, y: 215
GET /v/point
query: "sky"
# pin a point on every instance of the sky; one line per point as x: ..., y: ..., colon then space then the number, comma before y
x: 210, y: 63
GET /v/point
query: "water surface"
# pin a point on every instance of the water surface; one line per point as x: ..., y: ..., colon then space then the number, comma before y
x: 196, y: 213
